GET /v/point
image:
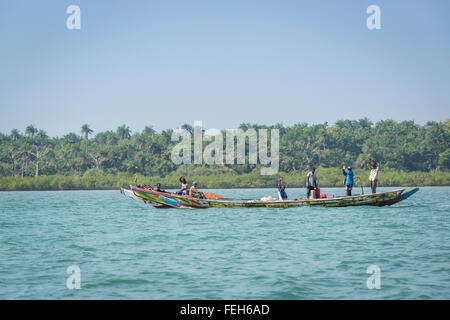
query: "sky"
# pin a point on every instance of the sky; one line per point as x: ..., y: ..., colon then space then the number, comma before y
x: 223, y: 62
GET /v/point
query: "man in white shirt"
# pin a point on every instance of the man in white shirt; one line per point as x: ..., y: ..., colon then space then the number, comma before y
x: 311, y: 183
x: 373, y: 177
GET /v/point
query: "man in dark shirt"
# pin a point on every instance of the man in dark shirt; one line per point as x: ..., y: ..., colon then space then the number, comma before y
x: 158, y: 188
x: 281, y: 191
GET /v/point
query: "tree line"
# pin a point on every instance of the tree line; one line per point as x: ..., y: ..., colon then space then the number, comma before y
x: 405, y: 146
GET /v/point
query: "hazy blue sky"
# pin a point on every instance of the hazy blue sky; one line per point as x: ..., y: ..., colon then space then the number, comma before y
x: 165, y: 63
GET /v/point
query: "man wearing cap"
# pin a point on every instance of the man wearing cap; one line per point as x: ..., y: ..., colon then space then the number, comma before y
x: 193, y: 191
x: 348, y: 173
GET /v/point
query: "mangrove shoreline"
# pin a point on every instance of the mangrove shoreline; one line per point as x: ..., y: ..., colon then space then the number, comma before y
x: 95, y: 179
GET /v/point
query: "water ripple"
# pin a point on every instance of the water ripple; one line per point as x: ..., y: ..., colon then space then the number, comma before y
x: 127, y: 250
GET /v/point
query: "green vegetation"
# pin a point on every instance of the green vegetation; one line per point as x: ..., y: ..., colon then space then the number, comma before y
x: 96, y: 179
x: 410, y: 154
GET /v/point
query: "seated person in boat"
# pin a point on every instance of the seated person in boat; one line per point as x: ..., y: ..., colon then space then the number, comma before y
x: 348, y: 173
x: 281, y: 191
x: 193, y: 191
x: 158, y: 188
x: 183, y: 190
x: 311, y: 183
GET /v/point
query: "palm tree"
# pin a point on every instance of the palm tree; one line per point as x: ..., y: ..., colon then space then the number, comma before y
x: 86, y: 131
x: 31, y: 130
x: 40, y: 147
x: 41, y: 134
x: 124, y: 132
x: 188, y: 128
x: 15, y: 135
x: 149, y: 130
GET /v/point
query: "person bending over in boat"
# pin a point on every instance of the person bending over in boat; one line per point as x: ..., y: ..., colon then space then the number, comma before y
x: 281, y: 191
x: 145, y: 186
x: 183, y: 190
x: 158, y: 188
x: 373, y: 177
x: 348, y: 173
x: 311, y: 182
x: 193, y: 191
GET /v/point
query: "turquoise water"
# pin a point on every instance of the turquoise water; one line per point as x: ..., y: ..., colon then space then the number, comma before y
x: 128, y: 250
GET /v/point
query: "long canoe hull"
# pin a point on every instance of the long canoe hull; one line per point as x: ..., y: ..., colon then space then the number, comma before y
x: 178, y: 201
x: 131, y: 194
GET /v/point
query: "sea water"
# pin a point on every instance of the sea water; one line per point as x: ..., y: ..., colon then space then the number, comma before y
x: 125, y: 249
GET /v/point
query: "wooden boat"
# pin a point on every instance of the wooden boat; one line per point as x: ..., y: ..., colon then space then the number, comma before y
x: 171, y: 200
x: 130, y: 194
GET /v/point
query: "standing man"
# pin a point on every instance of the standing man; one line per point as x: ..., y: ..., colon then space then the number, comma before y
x: 348, y: 173
x: 373, y: 177
x: 281, y: 191
x: 311, y: 182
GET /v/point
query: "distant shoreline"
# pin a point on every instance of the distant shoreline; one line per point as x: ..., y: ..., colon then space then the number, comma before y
x: 326, y: 178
